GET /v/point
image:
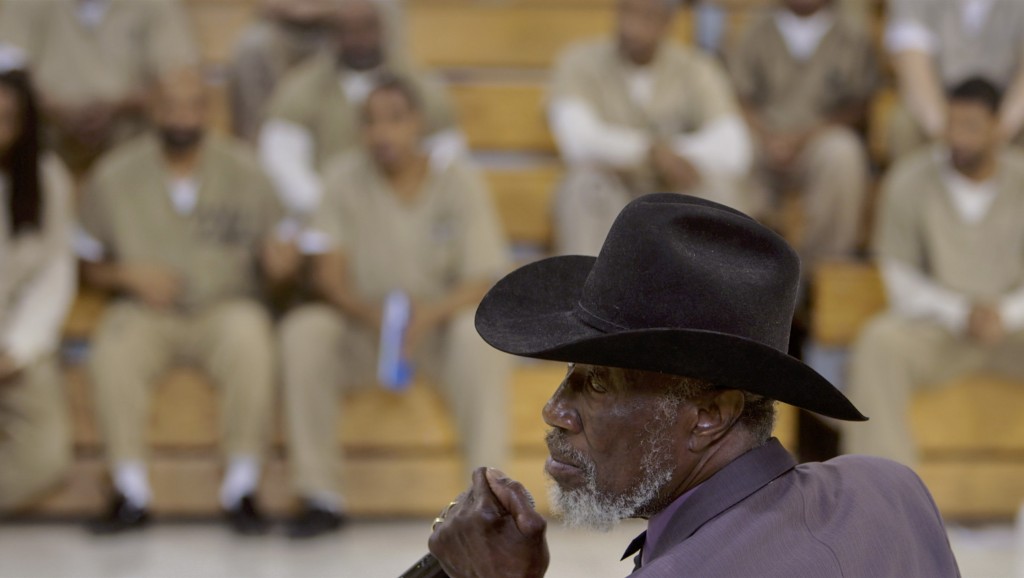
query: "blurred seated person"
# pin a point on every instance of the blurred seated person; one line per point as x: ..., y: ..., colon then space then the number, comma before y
x: 392, y: 220
x: 805, y: 73
x: 314, y: 113
x: 37, y: 284
x: 640, y: 113
x: 950, y: 245
x: 92, y: 61
x: 288, y: 32
x: 941, y: 43
x: 179, y: 224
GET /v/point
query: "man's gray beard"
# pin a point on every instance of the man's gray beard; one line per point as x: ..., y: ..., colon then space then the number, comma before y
x: 588, y: 507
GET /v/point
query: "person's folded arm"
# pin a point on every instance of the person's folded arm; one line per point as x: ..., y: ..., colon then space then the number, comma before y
x: 34, y: 327
x: 583, y: 137
x: 914, y: 296
x: 287, y: 152
x: 721, y: 147
x: 1011, y: 112
x: 912, y: 47
x: 1011, y: 310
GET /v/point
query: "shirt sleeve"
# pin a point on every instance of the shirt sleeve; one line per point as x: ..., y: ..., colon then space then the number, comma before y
x: 720, y: 147
x: 328, y: 231
x: 34, y: 326
x: 914, y: 296
x: 287, y: 152
x: 743, y: 65
x: 438, y: 106
x: 582, y: 137
x: 907, y: 29
x: 484, y: 250
x: 93, y: 239
x: 1011, y: 310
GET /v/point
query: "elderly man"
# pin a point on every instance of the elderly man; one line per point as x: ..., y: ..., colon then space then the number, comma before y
x: 950, y: 244
x: 675, y: 337
x: 314, y: 114
x: 179, y: 224
x: 639, y: 113
x: 938, y: 44
x: 805, y: 73
x: 92, y: 62
x: 392, y: 220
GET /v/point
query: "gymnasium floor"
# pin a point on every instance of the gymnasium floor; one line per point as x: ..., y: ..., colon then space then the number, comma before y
x: 366, y: 549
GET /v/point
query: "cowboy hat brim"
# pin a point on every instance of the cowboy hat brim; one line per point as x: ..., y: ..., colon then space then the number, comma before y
x: 532, y: 312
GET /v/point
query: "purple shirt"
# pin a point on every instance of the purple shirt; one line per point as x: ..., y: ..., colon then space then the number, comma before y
x: 658, y: 522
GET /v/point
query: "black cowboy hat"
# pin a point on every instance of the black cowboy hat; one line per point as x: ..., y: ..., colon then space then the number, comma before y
x: 682, y: 286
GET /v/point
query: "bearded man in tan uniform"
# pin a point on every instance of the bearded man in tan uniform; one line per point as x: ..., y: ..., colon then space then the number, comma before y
x: 805, y: 74
x: 637, y: 114
x: 393, y: 219
x: 93, y: 60
x: 314, y: 114
x: 937, y: 44
x: 950, y: 244
x: 178, y: 223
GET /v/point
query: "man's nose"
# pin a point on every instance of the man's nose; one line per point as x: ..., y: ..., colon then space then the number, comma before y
x: 558, y: 411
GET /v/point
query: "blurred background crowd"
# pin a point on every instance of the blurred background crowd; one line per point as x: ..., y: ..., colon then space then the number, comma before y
x: 211, y: 211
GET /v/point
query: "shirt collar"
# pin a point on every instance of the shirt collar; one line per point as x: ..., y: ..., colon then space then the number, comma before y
x: 659, y: 522
x: 803, y: 35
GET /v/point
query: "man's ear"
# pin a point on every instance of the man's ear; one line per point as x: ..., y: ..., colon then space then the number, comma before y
x: 717, y: 412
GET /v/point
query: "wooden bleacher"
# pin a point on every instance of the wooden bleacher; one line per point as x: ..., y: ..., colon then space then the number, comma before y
x: 970, y: 433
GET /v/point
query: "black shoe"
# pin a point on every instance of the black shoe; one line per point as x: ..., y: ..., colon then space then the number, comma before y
x: 246, y: 519
x: 314, y: 521
x: 121, y: 516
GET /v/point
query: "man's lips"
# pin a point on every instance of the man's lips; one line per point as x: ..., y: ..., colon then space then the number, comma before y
x: 560, y: 469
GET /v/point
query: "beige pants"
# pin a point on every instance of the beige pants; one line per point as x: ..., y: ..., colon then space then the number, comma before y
x: 35, y: 434
x: 232, y: 341
x: 324, y: 354
x: 831, y: 174
x: 589, y: 200
x: 892, y: 358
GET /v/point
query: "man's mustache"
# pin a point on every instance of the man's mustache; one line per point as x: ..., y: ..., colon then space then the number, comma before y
x: 562, y: 451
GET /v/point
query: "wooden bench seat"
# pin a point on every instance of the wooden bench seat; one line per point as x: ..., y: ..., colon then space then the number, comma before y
x: 970, y: 432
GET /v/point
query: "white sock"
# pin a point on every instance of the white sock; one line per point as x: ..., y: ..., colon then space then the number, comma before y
x: 241, y: 479
x: 131, y: 480
x: 329, y: 501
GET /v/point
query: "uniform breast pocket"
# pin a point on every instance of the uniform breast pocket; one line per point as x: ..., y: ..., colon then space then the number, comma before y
x: 225, y: 226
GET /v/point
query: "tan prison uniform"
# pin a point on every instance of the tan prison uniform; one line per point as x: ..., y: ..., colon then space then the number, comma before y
x: 448, y: 235
x: 993, y: 52
x: 77, y: 64
x: 792, y: 95
x: 37, y: 284
x: 919, y: 227
x: 217, y: 323
x: 265, y: 52
x: 687, y: 91
x: 312, y: 97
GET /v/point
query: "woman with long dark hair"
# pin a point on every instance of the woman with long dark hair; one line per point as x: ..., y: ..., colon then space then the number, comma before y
x: 37, y: 284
